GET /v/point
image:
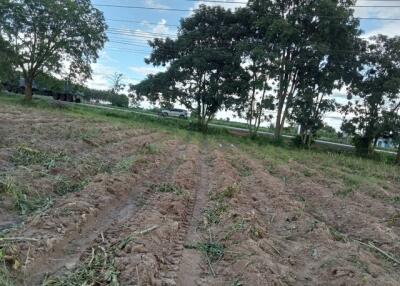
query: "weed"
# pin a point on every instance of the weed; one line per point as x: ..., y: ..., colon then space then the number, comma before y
x: 150, y: 149
x: 22, y: 202
x: 98, y: 269
x: 213, y: 250
x: 345, y: 192
x: 237, y: 282
x: 392, y: 221
x: 338, y: 236
x: 395, y: 200
x: 5, y: 276
x: 243, y: 169
x: 166, y: 188
x: 26, y: 156
x: 65, y: 186
x: 213, y: 215
x: 228, y: 192
x: 125, y: 164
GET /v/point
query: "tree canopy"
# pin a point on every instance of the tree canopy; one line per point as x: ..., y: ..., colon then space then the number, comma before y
x: 374, y: 91
x: 52, y: 36
x: 204, y: 71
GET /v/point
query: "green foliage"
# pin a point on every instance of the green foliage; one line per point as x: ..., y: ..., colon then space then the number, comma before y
x: 214, y: 251
x: 213, y: 214
x: 65, y: 186
x: 166, y: 188
x: 24, y: 202
x: 26, y: 156
x: 376, y: 87
x: 52, y: 32
x: 204, y: 73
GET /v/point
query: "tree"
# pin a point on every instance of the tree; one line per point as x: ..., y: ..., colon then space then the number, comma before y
x: 304, y: 33
x: 117, y: 84
x: 253, y: 105
x: 49, y: 35
x: 373, y: 92
x: 204, y: 71
x: 7, y: 70
x: 308, y: 110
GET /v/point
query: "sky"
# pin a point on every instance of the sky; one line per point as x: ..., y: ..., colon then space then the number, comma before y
x: 130, y: 29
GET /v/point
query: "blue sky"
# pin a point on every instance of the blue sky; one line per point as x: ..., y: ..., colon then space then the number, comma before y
x: 127, y: 48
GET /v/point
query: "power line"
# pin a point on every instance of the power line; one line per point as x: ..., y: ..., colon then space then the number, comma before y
x: 186, y: 10
x: 190, y: 10
x: 144, y: 22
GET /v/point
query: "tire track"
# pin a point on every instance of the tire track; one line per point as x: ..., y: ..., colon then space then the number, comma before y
x: 72, y: 246
x: 123, y: 217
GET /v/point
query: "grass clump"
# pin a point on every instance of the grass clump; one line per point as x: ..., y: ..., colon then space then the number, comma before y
x: 65, y: 186
x: 214, y: 251
x: 150, y: 149
x: 98, y: 269
x: 125, y: 164
x: 228, y: 192
x: 166, y: 188
x: 24, y: 203
x: 213, y: 215
x: 26, y: 156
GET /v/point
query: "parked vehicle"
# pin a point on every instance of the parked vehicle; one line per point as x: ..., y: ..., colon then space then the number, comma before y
x: 175, y: 112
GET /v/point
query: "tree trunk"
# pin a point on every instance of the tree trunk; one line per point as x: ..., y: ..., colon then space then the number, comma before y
x: 28, y: 88
x: 278, y: 125
x: 398, y: 156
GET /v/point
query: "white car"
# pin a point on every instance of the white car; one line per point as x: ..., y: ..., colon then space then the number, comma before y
x: 175, y: 112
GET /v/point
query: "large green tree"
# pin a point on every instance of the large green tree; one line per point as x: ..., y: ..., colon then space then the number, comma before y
x: 374, y: 91
x: 204, y: 71
x: 305, y: 34
x: 256, y: 51
x: 52, y: 35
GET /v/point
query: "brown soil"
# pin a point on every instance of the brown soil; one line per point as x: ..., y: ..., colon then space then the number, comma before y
x: 176, y: 213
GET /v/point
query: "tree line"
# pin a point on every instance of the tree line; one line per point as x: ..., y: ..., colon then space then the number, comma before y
x: 41, y: 38
x: 281, y: 56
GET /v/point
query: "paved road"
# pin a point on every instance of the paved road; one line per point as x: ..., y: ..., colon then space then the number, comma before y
x: 320, y: 142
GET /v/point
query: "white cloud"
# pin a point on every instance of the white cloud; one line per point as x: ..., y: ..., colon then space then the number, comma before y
x: 146, y: 70
x: 155, y: 4
x: 101, y: 76
x: 385, y: 27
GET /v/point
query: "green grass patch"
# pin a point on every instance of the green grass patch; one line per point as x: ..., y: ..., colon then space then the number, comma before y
x: 125, y: 164
x: 213, y: 215
x: 212, y: 250
x: 24, y: 203
x: 166, y: 188
x: 65, y: 186
x: 26, y: 156
x: 150, y: 149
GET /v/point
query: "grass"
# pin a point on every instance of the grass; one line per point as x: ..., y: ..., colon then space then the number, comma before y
x: 65, y: 186
x: 23, y: 202
x: 125, y: 164
x: 98, y: 269
x: 343, y: 165
x: 166, y: 188
x: 25, y: 156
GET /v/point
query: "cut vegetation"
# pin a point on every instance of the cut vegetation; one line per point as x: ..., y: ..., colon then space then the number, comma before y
x: 147, y: 203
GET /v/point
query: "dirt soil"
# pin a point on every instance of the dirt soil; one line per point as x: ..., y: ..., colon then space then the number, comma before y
x: 84, y: 202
